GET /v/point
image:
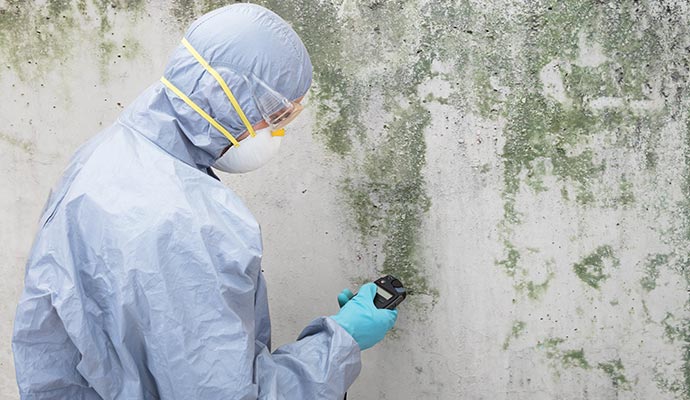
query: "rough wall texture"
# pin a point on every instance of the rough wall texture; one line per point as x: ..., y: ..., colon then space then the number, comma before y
x: 524, y: 166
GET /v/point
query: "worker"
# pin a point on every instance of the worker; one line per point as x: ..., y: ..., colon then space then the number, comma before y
x: 144, y: 280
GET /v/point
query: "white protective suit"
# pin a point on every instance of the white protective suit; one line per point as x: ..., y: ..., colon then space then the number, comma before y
x: 144, y: 280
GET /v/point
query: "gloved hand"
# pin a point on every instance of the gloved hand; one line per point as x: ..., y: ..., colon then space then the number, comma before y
x: 362, y: 320
x: 344, y: 297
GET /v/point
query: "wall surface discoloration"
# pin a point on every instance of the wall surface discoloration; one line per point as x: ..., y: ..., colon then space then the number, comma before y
x: 615, y: 370
x: 592, y: 268
x: 524, y: 167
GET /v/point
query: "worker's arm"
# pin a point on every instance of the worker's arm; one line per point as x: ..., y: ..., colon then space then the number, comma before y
x: 322, y: 364
x: 44, y: 356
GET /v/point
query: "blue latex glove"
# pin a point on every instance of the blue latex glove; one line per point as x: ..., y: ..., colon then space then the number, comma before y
x: 344, y: 297
x: 362, y: 320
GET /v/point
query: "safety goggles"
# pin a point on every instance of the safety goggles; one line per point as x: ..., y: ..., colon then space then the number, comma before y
x: 275, y: 109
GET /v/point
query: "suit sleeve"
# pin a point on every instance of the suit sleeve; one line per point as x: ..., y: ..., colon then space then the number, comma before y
x: 44, y: 356
x: 322, y: 364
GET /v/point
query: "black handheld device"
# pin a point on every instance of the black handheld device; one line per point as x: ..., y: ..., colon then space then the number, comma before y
x: 390, y: 292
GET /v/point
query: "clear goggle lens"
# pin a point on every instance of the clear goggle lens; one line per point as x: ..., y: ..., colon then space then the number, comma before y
x: 275, y: 109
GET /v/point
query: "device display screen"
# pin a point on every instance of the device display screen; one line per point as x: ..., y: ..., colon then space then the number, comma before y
x: 383, y: 293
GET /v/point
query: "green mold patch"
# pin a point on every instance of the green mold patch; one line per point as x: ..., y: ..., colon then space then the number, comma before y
x: 515, y: 332
x: 385, y: 188
x: 110, y: 50
x: 23, y: 145
x: 389, y: 200
x: 567, y: 358
x: 651, y: 159
x: 540, y: 129
x: 105, y: 10
x: 651, y: 270
x: 338, y: 95
x: 592, y: 268
x: 534, y: 290
x: 35, y: 37
x: 677, y: 330
x: 626, y: 196
x: 685, y: 206
x: 669, y: 385
x: 184, y: 11
x: 550, y: 346
x: 615, y: 371
x: 510, y: 262
x: 511, y: 266
x: 575, y: 358
x: 131, y: 48
x: 549, y: 134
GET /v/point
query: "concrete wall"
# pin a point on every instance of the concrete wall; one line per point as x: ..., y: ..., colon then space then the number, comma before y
x: 524, y: 166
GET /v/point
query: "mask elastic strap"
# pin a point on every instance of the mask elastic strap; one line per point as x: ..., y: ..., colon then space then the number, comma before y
x: 222, y: 84
x: 201, y: 112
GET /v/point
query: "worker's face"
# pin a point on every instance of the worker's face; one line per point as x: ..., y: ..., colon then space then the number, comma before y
x: 259, y: 125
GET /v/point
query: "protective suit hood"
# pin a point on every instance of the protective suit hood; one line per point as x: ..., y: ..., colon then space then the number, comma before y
x: 236, y: 39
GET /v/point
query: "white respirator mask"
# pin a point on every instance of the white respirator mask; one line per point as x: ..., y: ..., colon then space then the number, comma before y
x: 253, y: 153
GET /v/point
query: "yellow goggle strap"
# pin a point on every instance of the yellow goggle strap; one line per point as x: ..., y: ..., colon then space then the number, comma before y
x: 222, y: 84
x: 201, y: 112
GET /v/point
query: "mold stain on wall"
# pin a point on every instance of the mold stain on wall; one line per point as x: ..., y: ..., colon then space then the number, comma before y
x: 516, y: 330
x: 581, y: 73
x: 652, y: 270
x: 384, y: 187
x: 615, y: 370
x: 24, y: 145
x: 33, y: 37
x: 552, y: 135
x: 677, y: 329
x: 592, y: 268
x: 563, y: 358
x: 36, y: 37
